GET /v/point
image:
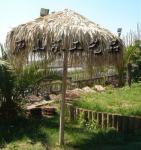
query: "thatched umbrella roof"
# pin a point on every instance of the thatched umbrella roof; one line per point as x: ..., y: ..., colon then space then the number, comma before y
x: 65, y: 30
x: 70, y: 35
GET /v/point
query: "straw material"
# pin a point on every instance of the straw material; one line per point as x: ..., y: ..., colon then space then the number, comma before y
x: 62, y: 30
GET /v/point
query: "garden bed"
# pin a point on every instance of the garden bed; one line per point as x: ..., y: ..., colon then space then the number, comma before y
x: 121, y: 123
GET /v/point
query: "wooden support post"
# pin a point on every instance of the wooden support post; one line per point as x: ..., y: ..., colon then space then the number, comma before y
x: 109, y: 120
x: 137, y: 123
x: 77, y: 113
x: 86, y: 115
x: 71, y: 113
x: 131, y: 124
x: 64, y: 87
x: 90, y: 115
x: 94, y: 116
x: 104, y: 120
x: 125, y: 124
x: 99, y: 117
x: 119, y: 119
x: 115, y: 121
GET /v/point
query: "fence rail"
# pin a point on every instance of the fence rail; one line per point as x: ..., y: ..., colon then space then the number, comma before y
x: 123, y: 124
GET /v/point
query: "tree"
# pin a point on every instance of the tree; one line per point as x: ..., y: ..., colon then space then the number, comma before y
x: 132, y: 55
x: 135, y: 60
x: 132, y: 61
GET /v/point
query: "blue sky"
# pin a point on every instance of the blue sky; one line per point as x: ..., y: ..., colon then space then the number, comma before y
x: 110, y: 14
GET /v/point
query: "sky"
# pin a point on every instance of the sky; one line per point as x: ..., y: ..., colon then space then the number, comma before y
x: 110, y: 14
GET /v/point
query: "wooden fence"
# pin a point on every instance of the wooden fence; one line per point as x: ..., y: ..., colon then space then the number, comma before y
x: 123, y: 124
x: 95, y: 80
x: 56, y: 87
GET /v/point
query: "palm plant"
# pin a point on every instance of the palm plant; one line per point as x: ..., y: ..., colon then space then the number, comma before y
x: 131, y: 56
x: 3, y: 53
x: 28, y: 77
x: 13, y: 85
x: 7, y: 84
x: 135, y: 59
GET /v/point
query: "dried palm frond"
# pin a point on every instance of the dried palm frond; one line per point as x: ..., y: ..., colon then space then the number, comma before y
x: 65, y: 29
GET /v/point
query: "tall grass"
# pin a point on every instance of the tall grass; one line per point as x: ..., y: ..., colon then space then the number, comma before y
x: 126, y: 101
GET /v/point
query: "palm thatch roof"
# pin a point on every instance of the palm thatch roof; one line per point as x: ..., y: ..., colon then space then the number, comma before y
x: 64, y: 30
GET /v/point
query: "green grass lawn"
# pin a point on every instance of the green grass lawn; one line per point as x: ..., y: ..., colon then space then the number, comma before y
x: 42, y: 134
x: 126, y: 100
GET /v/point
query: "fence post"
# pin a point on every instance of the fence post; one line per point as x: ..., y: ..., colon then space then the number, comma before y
x: 137, y: 122
x: 109, y: 120
x: 104, y: 120
x: 90, y: 115
x: 125, y: 124
x: 71, y: 113
x: 94, y: 116
x: 85, y: 115
x: 99, y: 117
x: 115, y: 121
x: 131, y: 124
x: 119, y: 119
x: 77, y: 113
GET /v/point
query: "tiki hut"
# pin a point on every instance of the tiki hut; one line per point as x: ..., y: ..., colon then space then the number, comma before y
x: 66, y: 35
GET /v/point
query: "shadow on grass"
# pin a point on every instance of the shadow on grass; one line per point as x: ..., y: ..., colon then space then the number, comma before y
x: 33, y: 129
x: 45, y: 131
x: 104, y: 140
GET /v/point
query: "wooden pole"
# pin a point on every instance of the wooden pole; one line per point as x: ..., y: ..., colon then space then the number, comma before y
x: 90, y: 67
x: 64, y: 87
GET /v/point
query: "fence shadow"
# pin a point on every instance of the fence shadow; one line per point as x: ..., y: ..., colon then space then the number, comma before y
x: 105, y: 140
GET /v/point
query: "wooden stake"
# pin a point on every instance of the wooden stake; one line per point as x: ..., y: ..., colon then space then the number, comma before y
x: 64, y: 87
